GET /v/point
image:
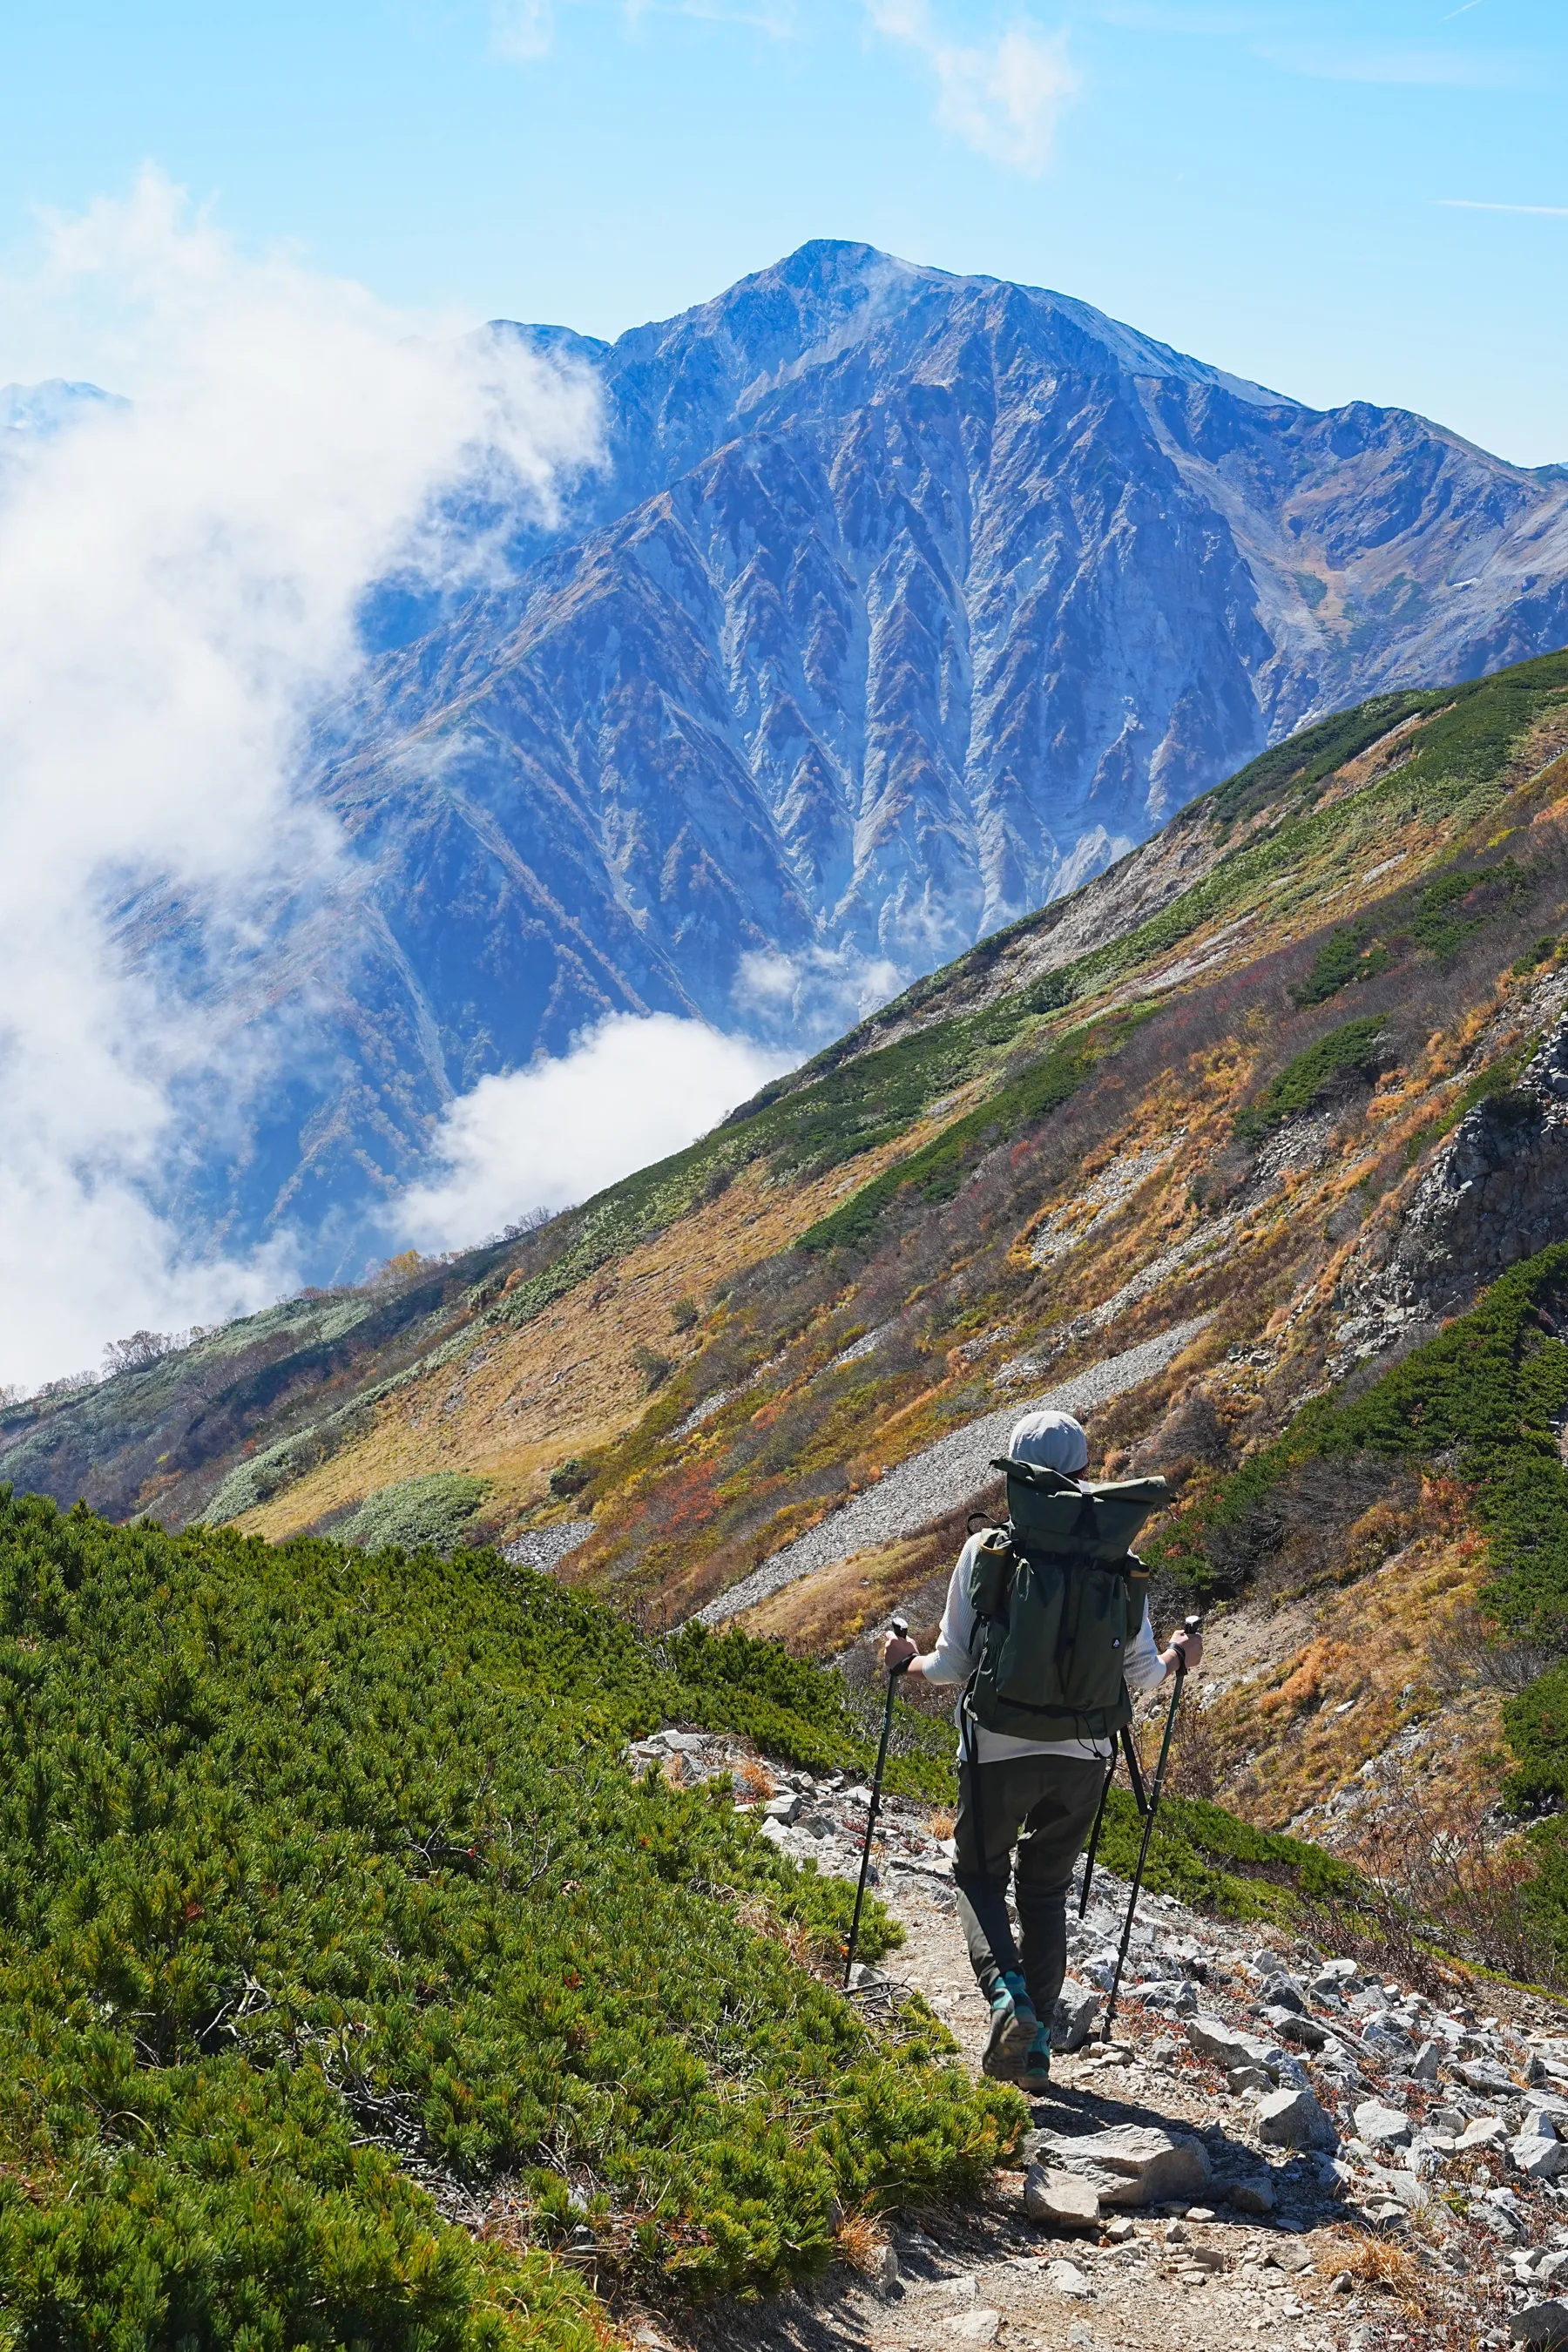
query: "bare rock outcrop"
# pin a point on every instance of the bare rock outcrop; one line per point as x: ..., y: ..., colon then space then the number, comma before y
x: 1496, y: 1191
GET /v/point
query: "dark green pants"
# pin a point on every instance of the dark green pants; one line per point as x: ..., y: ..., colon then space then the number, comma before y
x: 1045, y: 1807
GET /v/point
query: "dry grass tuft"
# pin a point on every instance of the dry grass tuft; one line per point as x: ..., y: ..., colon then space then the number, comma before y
x: 859, y: 2243
x: 942, y: 1823
x: 755, y: 1784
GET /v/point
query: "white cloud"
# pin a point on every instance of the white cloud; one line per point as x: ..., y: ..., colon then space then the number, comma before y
x: 814, y: 996
x: 1004, y: 97
x: 630, y: 1091
x: 178, y: 585
x: 523, y: 30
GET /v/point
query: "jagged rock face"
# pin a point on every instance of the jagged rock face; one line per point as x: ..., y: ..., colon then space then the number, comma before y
x: 1496, y: 1191
x: 902, y: 603
x: 915, y: 599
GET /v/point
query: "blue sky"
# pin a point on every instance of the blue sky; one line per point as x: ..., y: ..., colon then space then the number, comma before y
x: 1343, y: 200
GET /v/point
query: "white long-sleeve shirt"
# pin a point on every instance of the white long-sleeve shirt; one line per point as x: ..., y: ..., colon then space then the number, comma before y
x: 956, y: 1656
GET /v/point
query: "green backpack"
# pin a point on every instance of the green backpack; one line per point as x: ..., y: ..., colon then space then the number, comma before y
x: 1058, y: 1596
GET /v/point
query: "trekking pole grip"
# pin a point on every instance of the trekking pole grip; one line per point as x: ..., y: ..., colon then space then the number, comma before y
x: 901, y: 1627
x: 1192, y: 1624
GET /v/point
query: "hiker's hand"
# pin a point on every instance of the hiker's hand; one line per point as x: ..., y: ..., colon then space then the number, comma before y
x: 897, y: 1651
x: 1188, y: 1648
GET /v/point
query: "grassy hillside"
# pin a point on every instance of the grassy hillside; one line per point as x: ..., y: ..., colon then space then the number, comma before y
x: 327, y: 1907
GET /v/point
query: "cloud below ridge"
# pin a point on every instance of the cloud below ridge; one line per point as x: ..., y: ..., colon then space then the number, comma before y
x: 179, y: 585
x: 633, y: 1089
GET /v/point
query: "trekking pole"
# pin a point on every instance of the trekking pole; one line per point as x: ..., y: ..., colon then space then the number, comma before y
x: 1094, y: 1834
x: 1193, y: 1625
x: 901, y: 1629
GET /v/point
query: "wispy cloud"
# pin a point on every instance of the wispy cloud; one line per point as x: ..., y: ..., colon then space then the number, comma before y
x: 523, y: 30
x: 1003, y: 97
x: 179, y: 585
x: 1476, y: 204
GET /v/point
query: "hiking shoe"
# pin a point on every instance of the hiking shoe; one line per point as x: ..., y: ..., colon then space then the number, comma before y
x: 1036, y: 2073
x: 1014, y: 2026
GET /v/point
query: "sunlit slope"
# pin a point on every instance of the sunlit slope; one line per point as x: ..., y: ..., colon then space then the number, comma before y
x: 897, y: 1239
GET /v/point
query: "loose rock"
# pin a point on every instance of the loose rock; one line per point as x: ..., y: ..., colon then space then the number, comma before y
x: 1131, y: 2164
x: 1294, y: 2119
x: 1543, y: 2324
x: 1381, y: 2126
x: 1067, y: 2279
x: 1063, y: 2200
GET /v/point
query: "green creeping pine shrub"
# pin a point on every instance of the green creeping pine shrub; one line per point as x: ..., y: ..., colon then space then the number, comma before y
x: 1356, y: 1050
x: 311, y: 1860
x: 1345, y: 956
x: 434, y: 1510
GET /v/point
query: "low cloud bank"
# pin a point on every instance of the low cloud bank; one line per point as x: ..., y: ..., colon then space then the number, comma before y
x: 631, y: 1091
x: 179, y: 581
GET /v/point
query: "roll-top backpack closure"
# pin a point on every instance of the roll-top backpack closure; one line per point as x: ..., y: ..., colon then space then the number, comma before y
x: 1096, y: 1519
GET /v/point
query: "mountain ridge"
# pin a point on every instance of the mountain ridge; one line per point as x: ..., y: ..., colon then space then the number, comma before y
x: 901, y: 603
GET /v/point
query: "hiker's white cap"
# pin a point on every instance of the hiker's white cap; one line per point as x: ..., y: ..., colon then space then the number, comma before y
x: 1055, y: 1441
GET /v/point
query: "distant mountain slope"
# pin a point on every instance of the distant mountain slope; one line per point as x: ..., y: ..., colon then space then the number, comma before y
x: 904, y: 601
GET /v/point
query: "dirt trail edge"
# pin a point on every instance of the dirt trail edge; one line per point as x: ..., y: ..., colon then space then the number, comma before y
x: 1280, y: 2143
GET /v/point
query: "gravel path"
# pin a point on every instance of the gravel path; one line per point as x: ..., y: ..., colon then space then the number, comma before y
x: 929, y: 1483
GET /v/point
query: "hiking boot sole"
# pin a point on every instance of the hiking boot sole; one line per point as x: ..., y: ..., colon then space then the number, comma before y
x: 1009, y: 2043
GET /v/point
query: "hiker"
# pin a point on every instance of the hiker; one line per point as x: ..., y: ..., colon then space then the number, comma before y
x: 1037, y: 1793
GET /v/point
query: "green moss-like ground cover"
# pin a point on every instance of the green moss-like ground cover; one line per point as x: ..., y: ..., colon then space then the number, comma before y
x: 312, y: 1862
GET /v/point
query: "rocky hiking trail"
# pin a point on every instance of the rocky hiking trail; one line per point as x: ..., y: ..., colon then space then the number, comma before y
x: 1278, y: 2144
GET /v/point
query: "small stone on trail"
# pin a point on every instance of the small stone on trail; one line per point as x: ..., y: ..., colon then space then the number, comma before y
x: 785, y: 1809
x: 1067, y: 2279
x: 1247, y: 2078
x: 1211, y: 2037
x: 978, y: 2327
x: 1199, y: 2213
x: 1538, y: 2158
x: 1484, y: 2074
x: 1255, y: 2195
x: 1121, y: 2229
x: 1061, y: 2200
x: 1486, y: 2131
x: 1424, y: 2064
x: 1073, y: 2015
